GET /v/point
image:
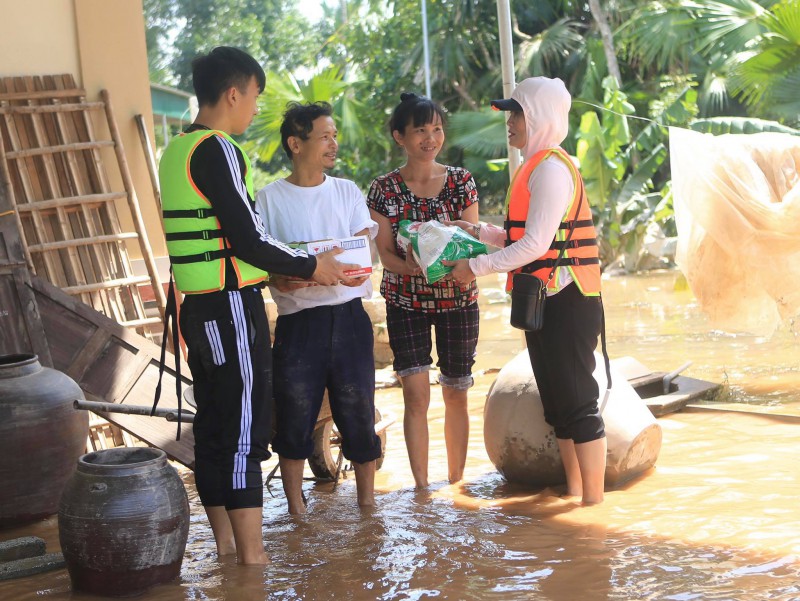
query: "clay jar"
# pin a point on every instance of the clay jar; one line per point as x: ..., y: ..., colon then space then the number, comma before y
x: 41, y: 437
x: 524, y: 449
x: 123, y: 521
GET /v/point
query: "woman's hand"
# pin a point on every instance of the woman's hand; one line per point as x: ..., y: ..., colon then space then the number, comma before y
x: 412, y: 267
x: 473, y: 229
x: 461, y: 271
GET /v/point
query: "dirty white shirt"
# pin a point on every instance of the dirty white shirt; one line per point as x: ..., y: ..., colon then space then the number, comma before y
x: 334, y: 209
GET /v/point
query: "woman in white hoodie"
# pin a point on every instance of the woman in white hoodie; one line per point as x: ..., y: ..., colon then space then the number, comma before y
x: 547, y: 212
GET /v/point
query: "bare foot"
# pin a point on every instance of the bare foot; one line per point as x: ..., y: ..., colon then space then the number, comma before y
x: 256, y: 559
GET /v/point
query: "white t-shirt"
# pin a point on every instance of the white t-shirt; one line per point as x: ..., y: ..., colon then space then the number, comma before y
x: 334, y: 209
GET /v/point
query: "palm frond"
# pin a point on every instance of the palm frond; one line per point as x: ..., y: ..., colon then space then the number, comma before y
x: 481, y: 133
x: 657, y: 36
x: 544, y: 52
x: 727, y: 24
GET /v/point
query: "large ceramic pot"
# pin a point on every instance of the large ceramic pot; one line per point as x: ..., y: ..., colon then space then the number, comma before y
x: 123, y: 521
x: 41, y: 437
x: 523, y: 447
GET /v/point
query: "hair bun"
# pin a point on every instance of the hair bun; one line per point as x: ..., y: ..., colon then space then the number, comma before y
x: 406, y: 96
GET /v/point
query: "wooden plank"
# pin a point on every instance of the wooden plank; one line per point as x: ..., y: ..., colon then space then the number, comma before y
x: 50, y: 108
x: 53, y: 270
x: 46, y: 290
x: 75, y: 242
x: 12, y: 247
x: 97, y: 263
x: 32, y: 317
x: 84, y: 200
x: 72, y: 264
x: 686, y: 390
x: 79, y: 246
x: 42, y: 94
x: 88, y: 354
x: 126, y: 368
x: 132, y: 281
x: 48, y: 150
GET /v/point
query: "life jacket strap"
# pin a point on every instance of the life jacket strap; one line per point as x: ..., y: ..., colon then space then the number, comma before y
x: 211, y: 255
x: 549, y: 263
x: 201, y: 235
x: 574, y: 243
x: 566, y: 225
x: 188, y: 213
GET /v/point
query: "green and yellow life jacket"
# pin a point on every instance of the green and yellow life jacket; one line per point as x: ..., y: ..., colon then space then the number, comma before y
x: 197, y: 248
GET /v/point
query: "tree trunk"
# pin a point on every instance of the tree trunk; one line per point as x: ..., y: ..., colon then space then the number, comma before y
x: 601, y: 18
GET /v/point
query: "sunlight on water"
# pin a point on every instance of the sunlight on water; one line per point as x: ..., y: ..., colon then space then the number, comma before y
x: 716, y: 519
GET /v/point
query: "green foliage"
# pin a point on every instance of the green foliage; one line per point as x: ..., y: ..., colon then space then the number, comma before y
x: 622, y: 170
x: 713, y: 65
x: 740, y: 125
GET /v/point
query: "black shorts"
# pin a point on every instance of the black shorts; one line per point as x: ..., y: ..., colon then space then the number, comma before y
x: 562, y: 357
x: 456, y: 341
x: 227, y: 336
x: 325, y: 347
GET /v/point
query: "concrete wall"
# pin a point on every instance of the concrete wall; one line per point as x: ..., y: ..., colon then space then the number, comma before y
x: 102, y: 44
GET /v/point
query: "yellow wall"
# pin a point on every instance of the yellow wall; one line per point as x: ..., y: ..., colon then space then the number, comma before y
x: 102, y: 43
x: 39, y: 37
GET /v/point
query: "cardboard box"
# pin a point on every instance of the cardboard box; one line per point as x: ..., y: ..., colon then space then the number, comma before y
x: 356, y: 250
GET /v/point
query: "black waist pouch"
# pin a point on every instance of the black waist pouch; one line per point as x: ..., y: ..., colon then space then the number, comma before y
x: 527, y: 302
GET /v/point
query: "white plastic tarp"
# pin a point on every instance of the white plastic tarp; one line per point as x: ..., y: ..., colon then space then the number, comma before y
x: 737, y: 210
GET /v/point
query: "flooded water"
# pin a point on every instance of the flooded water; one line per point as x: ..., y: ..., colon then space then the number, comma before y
x: 716, y: 519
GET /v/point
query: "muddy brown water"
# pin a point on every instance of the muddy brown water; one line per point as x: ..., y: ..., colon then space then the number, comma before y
x: 716, y: 519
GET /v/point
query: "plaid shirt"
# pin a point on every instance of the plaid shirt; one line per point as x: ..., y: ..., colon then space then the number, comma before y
x: 389, y: 196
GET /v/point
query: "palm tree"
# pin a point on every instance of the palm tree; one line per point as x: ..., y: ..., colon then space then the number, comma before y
x: 742, y: 51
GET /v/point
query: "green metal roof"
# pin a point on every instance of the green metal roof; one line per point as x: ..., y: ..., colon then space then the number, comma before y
x: 171, y: 102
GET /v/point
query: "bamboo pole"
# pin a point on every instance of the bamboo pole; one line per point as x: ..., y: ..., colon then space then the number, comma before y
x: 76, y: 242
x: 131, y: 281
x: 144, y: 321
x: 116, y: 255
x: 507, y: 70
x: 152, y: 168
x: 46, y: 150
x: 186, y: 416
x: 133, y: 203
x: 72, y: 201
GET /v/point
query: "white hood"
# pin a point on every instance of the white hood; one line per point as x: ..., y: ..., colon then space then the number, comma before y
x: 545, y: 103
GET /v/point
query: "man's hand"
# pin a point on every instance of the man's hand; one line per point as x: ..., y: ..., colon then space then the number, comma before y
x: 329, y: 271
x: 355, y: 282
x: 286, y: 284
x: 461, y: 271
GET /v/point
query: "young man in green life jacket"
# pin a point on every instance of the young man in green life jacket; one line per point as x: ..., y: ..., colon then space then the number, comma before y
x: 220, y: 256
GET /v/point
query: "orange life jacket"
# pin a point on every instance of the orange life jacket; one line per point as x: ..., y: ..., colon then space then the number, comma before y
x: 581, y: 256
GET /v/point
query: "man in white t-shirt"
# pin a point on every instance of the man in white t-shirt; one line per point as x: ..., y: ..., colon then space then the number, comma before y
x: 323, y: 336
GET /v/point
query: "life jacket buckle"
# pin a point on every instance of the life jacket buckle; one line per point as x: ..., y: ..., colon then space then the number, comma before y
x: 206, y: 234
x: 207, y: 256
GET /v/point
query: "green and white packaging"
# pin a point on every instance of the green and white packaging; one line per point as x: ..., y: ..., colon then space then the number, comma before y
x: 433, y: 242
